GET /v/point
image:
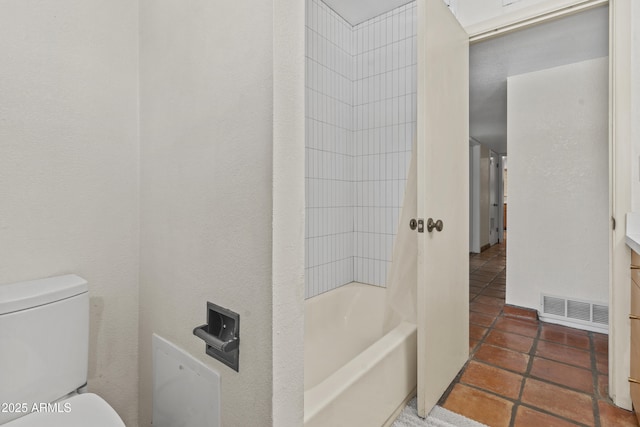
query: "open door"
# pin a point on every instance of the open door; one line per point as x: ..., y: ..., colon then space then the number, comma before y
x: 443, y: 195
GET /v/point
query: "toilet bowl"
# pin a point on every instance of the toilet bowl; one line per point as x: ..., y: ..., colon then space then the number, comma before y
x: 44, y: 331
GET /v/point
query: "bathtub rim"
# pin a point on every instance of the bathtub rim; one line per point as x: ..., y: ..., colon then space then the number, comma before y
x: 323, y: 393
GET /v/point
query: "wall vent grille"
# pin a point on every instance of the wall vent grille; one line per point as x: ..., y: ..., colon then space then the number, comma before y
x: 601, y: 314
x: 585, y: 313
x: 552, y: 305
x: 579, y: 310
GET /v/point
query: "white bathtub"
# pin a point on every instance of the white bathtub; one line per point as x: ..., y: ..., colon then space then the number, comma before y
x: 353, y: 374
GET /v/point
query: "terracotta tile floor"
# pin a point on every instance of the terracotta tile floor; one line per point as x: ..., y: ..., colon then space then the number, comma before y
x: 526, y: 373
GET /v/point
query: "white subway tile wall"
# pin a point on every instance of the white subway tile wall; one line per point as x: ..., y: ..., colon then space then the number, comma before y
x: 384, y: 122
x: 360, y: 121
x: 329, y: 150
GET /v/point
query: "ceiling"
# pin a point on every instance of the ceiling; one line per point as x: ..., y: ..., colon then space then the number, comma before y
x: 357, y: 11
x: 564, y: 41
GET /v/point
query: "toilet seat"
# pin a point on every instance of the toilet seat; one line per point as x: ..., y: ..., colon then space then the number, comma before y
x: 83, y: 410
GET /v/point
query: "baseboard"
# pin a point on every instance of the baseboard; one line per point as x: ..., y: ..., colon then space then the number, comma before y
x: 520, y: 312
x: 575, y: 325
x: 485, y: 247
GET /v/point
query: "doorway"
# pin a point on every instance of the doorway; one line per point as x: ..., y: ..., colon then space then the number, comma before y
x: 620, y: 149
x: 494, y: 190
x: 547, y: 193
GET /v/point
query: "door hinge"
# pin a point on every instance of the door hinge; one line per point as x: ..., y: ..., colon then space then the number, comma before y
x: 613, y: 223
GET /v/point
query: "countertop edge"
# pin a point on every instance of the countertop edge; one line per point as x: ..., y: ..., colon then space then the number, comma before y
x: 633, y: 231
x: 633, y: 241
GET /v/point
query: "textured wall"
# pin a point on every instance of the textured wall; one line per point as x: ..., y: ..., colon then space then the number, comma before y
x: 288, y: 213
x: 206, y: 94
x: 558, y: 184
x: 69, y: 168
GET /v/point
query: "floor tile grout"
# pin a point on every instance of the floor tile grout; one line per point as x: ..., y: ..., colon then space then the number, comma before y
x: 487, y: 273
x: 594, y: 371
x: 526, y: 375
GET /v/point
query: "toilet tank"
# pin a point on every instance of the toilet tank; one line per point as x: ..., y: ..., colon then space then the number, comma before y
x: 44, y: 341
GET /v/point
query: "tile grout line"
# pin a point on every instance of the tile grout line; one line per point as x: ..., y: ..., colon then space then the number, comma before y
x: 456, y: 380
x: 594, y: 373
x: 526, y: 375
x: 594, y: 395
x: 517, y: 402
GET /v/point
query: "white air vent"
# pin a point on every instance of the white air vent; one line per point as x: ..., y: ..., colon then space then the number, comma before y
x: 600, y: 314
x: 579, y: 310
x: 552, y: 305
x: 570, y: 312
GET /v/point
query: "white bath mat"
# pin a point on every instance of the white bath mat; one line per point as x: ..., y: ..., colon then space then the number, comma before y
x: 438, y: 417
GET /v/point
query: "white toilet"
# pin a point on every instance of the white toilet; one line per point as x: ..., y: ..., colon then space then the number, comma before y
x: 44, y: 349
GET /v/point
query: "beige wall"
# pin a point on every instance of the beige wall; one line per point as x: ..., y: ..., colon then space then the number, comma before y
x: 288, y: 213
x: 69, y: 168
x: 69, y: 182
x: 206, y: 94
x: 559, y: 179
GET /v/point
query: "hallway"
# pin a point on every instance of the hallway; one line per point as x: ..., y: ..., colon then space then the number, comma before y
x: 523, y: 372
